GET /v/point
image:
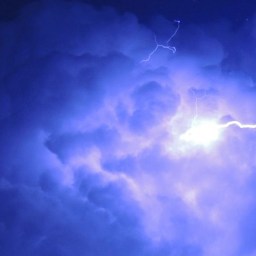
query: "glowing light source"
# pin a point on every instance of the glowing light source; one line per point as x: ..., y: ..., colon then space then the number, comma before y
x: 206, y: 132
x: 202, y: 133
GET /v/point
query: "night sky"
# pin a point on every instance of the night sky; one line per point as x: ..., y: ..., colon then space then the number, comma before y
x: 127, y: 128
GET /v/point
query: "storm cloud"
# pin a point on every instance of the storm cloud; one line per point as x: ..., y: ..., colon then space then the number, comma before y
x: 91, y: 160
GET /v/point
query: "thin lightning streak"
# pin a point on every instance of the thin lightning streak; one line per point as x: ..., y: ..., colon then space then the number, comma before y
x: 166, y: 46
x: 196, y: 112
x: 237, y: 123
x: 175, y: 32
x: 171, y: 48
x: 220, y: 126
x: 196, y: 108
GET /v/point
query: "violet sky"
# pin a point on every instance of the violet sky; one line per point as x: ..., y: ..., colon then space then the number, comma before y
x: 91, y: 157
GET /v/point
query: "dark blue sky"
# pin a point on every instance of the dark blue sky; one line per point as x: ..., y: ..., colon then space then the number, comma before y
x: 126, y: 133
x: 190, y: 11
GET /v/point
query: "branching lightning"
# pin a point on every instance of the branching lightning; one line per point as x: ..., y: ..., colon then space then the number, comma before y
x: 201, y: 131
x: 166, y: 46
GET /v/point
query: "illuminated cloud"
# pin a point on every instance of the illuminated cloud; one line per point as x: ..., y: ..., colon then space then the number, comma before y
x: 96, y: 152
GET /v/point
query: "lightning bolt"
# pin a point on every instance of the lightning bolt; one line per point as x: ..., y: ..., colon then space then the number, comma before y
x: 201, y: 131
x: 237, y: 123
x: 197, y: 98
x: 205, y: 131
x: 166, y: 46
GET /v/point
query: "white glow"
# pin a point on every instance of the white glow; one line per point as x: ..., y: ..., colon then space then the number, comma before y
x: 206, y: 132
x: 202, y: 133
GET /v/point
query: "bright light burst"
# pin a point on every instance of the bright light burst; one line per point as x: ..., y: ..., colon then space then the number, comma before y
x: 202, y: 133
x: 205, y: 132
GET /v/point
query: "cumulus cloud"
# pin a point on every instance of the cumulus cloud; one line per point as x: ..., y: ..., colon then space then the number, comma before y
x: 91, y: 160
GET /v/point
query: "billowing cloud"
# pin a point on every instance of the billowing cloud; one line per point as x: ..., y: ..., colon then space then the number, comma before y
x: 92, y: 160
